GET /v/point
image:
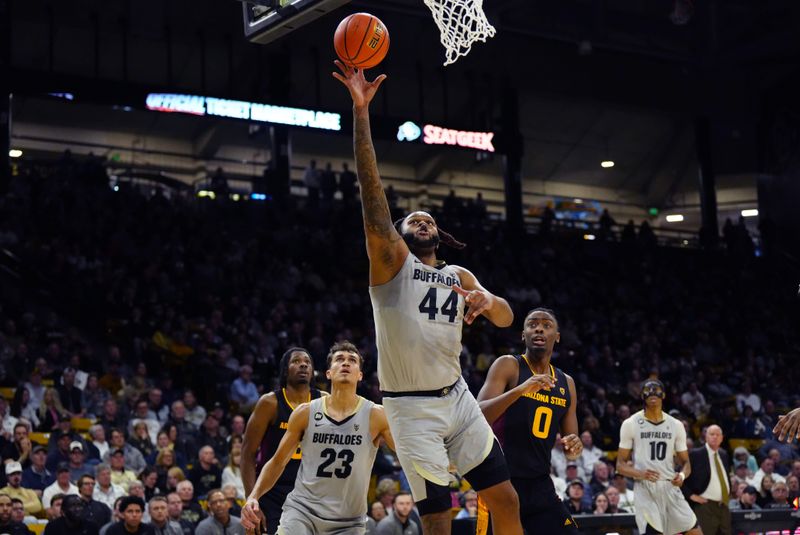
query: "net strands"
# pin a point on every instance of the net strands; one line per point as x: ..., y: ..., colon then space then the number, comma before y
x: 461, y: 23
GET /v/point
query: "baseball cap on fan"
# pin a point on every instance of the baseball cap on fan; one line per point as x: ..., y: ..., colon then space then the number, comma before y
x: 13, y: 467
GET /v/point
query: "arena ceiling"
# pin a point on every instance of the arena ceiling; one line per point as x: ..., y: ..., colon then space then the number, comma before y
x: 596, y: 79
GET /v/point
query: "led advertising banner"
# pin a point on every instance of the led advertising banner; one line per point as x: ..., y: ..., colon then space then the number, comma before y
x: 238, y: 109
x: 437, y: 135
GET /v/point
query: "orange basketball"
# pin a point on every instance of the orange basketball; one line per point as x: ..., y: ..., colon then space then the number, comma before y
x: 361, y: 40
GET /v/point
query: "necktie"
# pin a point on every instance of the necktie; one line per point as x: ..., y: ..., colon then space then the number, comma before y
x: 722, y: 480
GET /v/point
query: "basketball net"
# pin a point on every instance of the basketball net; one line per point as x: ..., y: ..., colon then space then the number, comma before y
x: 461, y: 23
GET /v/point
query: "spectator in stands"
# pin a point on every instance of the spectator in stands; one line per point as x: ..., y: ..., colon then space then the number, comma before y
x: 767, y: 469
x: 220, y: 520
x: 116, y: 516
x: 600, y: 478
x: 205, y: 474
x: 21, y: 407
x: 765, y: 491
x: 626, y: 501
x: 35, y: 388
x: 192, y: 511
x: 210, y: 436
x: 747, y: 500
x: 591, y: 454
x: 793, y: 484
x: 69, y: 395
x: 78, y: 465
x: 133, y: 457
x: 93, y: 397
x: 780, y: 496
x: 311, y: 182
x: 398, y: 521
x: 195, y: 413
x: 110, y: 417
x: 165, y: 460
x: 574, y: 471
x: 105, y: 491
x: 142, y: 413
x: 575, y: 496
x: 232, y: 474
x: 174, y: 476
x: 694, y: 401
x: 613, y: 501
x: 328, y: 184
x: 98, y: 435
x: 175, y: 512
x: 62, y: 485
x: 377, y: 511
x: 149, y: 479
x: 73, y: 521
x: 136, y: 488
x: 8, y: 420
x: 20, y: 449
x: 94, y: 511
x: 37, y: 477
x: 157, y: 409
x: 181, y: 433
x: 54, y: 511
x: 742, y: 456
x: 468, y: 503
x: 747, y: 398
x: 237, y: 426
x: 140, y: 439
x: 159, y: 517
x: 120, y: 474
x: 746, y: 425
x: 50, y: 411
x: 132, y: 509
x: 7, y: 524
x: 347, y: 184
x: 243, y: 390
x: 606, y: 224
x: 14, y: 489
x: 18, y: 513
x: 600, y: 504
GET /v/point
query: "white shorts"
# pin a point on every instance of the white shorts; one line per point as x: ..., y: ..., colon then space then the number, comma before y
x: 295, y: 521
x: 431, y: 433
x: 662, y: 505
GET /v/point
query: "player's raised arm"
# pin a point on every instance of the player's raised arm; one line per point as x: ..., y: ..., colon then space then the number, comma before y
x: 482, y: 301
x: 298, y: 422
x: 386, y: 249
x: 262, y: 417
x: 493, y: 398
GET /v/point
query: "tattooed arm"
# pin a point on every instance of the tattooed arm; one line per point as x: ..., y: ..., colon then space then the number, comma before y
x: 385, y: 247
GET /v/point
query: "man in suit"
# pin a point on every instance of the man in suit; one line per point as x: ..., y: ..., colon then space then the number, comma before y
x: 708, y: 488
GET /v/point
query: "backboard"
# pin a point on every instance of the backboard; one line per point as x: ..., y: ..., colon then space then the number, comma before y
x: 268, y: 20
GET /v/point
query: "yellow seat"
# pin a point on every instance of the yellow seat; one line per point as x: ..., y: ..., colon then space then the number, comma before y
x: 40, y: 438
x: 38, y: 529
x: 611, y: 455
x: 8, y: 392
x: 81, y: 424
x: 750, y: 444
x: 48, y: 382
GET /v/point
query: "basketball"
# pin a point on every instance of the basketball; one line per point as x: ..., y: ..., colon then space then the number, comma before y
x: 361, y: 40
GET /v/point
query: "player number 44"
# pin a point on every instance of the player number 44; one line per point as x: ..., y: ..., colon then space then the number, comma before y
x: 449, y: 307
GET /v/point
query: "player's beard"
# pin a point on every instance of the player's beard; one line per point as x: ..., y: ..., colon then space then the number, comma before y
x: 416, y: 245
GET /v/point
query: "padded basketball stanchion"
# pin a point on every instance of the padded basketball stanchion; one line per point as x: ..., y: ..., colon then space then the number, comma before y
x: 461, y: 23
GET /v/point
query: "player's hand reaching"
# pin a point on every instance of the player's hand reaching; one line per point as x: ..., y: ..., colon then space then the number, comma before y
x: 251, y: 514
x: 573, y: 447
x: 360, y: 89
x: 677, y: 480
x: 788, y: 426
x: 478, y: 302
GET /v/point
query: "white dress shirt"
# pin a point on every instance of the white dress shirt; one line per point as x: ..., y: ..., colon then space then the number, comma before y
x: 714, y: 490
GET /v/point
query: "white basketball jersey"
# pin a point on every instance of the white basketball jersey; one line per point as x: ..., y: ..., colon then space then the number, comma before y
x: 418, y: 318
x: 653, y: 444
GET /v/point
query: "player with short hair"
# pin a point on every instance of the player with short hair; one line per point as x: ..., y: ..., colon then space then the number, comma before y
x: 529, y: 401
x: 655, y: 438
x: 339, y: 434
x: 418, y: 305
x: 267, y: 425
